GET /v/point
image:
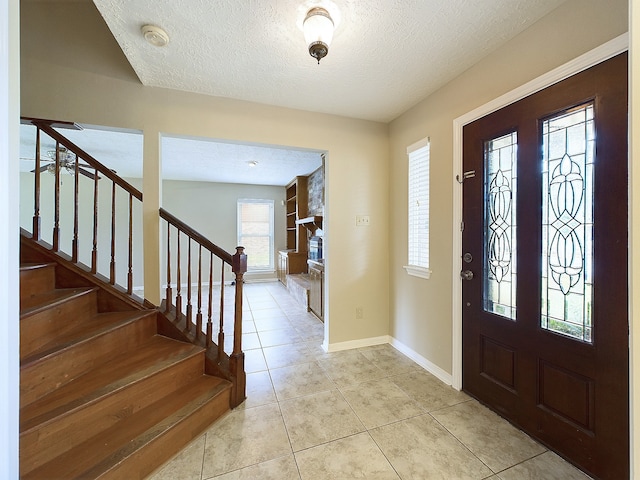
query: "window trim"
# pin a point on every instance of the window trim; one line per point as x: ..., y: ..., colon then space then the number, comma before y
x: 420, y: 271
x: 271, y: 203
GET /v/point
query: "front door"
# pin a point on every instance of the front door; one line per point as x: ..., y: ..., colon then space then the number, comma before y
x: 545, y: 326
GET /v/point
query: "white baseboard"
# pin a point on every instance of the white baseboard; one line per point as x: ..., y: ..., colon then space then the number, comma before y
x: 260, y: 280
x: 430, y: 367
x: 363, y: 342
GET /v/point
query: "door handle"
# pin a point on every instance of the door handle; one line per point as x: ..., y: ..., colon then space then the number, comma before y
x: 466, y: 275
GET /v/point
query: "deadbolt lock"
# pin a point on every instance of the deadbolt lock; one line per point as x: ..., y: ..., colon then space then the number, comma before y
x: 468, y: 258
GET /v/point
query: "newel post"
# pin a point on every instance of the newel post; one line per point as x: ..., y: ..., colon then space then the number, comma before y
x: 236, y: 361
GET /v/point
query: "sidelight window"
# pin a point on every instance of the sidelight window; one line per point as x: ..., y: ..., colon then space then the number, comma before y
x: 418, y: 208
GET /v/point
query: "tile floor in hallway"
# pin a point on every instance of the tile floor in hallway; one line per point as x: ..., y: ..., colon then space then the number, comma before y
x: 367, y: 413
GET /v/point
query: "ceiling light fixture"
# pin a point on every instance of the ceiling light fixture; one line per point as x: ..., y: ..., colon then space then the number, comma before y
x: 253, y: 163
x: 155, y: 35
x: 318, y: 31
x: 66, y: 160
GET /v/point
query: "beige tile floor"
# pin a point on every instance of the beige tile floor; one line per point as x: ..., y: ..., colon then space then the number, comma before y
x: 367, y: 413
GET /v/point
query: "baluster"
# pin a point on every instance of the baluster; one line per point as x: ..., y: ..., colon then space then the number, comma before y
x: 74, y: 242
x: 189, y: 313
x: 94, y: 251
x: 178, y: 286
x: 199, y: 314
x: 36, y: 191
x: 112, y: 265
x: 209, y: 323
x: 236, y: 360
x: 221, y: 332
x: 168, y: 297
x: 56, y: 202
x: 130, y: 266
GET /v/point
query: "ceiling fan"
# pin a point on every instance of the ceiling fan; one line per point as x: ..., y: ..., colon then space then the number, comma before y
x: 68, y: 161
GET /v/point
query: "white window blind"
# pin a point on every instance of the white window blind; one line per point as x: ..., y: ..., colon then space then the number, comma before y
x: 418, y: 211
x: 255, y: 233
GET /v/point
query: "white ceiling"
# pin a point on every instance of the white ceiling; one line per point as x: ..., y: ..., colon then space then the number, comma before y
x: 386, y: 56
x: 188, y: 159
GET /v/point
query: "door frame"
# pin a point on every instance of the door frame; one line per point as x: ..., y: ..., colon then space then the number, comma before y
x: 583, y: 62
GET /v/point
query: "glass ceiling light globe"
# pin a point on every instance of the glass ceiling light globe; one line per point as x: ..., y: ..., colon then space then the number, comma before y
x: 318, y: 32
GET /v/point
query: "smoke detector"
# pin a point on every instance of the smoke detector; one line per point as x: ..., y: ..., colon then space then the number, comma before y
x: 155, y: 35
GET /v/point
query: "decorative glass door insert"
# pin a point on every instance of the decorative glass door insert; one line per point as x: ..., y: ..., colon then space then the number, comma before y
x: 500, y: 156
x: 567, y: 222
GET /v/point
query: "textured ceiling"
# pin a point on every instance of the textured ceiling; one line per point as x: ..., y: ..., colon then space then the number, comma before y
x: 386, y: 55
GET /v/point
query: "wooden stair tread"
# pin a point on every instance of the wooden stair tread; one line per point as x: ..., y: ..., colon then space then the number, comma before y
x: 155, y: 355
x: 98, y: 324
x: 104, y: 393
x: 50, y: 299
x: 109, y: 448
x: 35, y: 266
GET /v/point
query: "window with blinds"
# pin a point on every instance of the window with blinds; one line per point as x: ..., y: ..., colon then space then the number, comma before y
x: 418, y: 211
x: 255, y: 233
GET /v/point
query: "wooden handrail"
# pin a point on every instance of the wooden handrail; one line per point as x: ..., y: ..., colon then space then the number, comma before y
x: 231, y: 364
x: 45, y: 126
x: 198, y: 237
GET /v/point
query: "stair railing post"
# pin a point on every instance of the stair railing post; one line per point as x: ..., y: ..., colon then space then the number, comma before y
x: 236, y: 360
x: 168, y: 295
x: 178, y: 281
x: 36, y: 190
x: 56, y: 202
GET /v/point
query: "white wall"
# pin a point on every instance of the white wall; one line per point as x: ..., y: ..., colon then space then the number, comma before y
x: 9, y: 247
x: 83, y: 76
x: 211, y: 209
x: 85, y: 221
x: 421, y: 310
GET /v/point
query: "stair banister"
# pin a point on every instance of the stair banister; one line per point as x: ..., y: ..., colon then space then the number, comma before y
x: 101, y: 171
x: 233, y: 363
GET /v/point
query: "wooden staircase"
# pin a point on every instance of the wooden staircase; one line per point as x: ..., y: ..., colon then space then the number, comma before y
x: 102, y: 394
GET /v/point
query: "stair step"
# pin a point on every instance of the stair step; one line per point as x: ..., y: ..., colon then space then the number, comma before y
x: 108, y: 394
x: 52, y: 298
x: 94, y: 342
x: 103, y: 395
x: 36, y: 278
x: 158, y: 431
x: 52, y: 314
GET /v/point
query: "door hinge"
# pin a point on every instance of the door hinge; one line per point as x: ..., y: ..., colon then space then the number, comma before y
x: 462, y: 226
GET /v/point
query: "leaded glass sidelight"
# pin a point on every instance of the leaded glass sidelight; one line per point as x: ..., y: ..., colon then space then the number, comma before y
x: 567, y: 222
x: 499, y: 293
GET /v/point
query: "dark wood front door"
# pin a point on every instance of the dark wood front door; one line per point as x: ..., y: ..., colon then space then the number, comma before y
x: 545, y: 323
